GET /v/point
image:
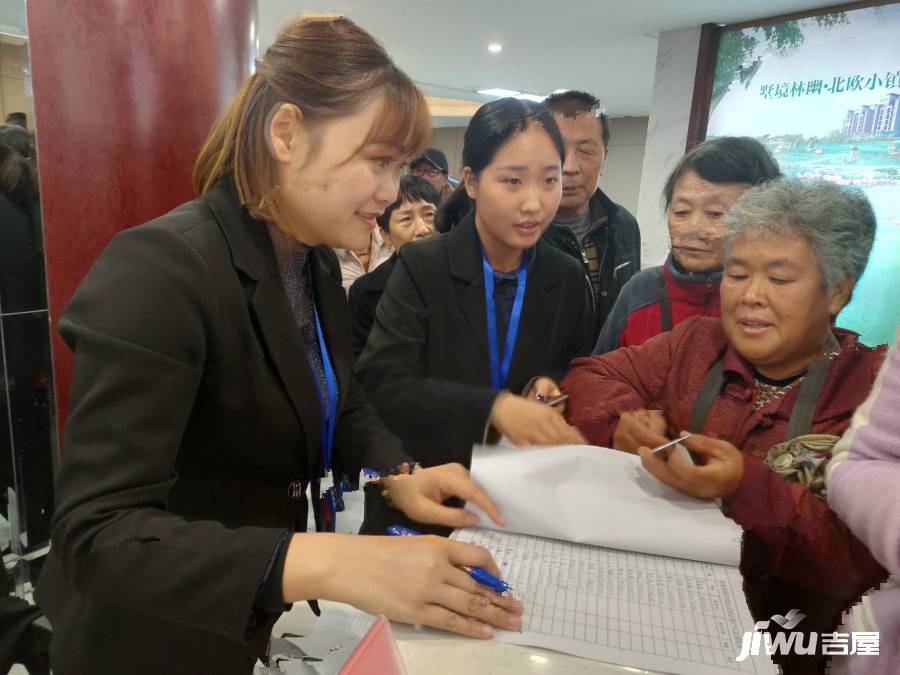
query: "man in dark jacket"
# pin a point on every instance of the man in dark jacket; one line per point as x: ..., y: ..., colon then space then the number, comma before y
x: 589, y: 226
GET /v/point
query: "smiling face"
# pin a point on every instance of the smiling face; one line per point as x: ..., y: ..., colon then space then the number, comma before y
x: 585, y: 154
x: 517, y: 194
x: 695, y: 224
x: 331, y: 190
x: 775, y: 310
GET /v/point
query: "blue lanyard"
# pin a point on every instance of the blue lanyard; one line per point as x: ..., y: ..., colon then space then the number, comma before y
x: 500, y: 372
x: 327, y: 422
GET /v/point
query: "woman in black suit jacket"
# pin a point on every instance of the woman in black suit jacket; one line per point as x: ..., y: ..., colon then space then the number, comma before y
x: 428, y: 365
x: 211, y: 350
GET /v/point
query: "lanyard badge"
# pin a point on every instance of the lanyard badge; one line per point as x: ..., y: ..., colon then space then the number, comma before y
x: 500, y: 370
x: 328, y: 422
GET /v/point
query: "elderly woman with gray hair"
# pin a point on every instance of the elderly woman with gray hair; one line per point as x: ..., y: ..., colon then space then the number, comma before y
x: 765, y: 391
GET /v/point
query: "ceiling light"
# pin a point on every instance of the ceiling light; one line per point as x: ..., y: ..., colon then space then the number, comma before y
x: 499, y: 93
x: 495, y: 48
x: 503, y: 93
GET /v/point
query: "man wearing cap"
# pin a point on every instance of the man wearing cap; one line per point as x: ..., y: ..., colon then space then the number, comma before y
x: 432, y: 166
x: 589, y: 226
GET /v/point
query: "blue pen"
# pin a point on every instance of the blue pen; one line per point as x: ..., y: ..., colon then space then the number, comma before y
x: 479, y: 574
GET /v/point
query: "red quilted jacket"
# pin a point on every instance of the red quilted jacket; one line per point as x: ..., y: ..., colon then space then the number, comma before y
x: 797, y: 552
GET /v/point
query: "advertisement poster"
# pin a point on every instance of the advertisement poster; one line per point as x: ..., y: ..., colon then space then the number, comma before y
x: 823, y: 94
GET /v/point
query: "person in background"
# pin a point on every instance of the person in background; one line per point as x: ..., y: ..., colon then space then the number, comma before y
x: 863, y: 480
x: 355, y: 264
x: 408, y: 219
x: 212, y: 388
x: 18, y: 138
x: 600, y: 234
x: 22, y: 283
x: 701, y: 188
x: 17, y: 118
x: 765, y: 391
x: 470, y: 317
x: 432, y: 166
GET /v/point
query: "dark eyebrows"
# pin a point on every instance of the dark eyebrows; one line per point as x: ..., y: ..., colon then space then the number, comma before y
x: 519, y: 167
x: 408, y: 208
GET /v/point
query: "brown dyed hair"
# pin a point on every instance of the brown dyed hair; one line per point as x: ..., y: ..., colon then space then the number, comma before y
x: 328, y: 67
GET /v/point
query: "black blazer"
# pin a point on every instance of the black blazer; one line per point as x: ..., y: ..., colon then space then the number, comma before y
x: 426, y: 365
x: 192, y: 410
x: 364, y: 295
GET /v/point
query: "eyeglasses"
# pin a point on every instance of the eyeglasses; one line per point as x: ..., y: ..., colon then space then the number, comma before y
x: 429, y: 171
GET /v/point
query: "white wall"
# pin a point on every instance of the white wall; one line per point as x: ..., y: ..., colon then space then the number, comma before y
x: 670, y: 110
x: 621, y: 176
x: 450, y: 140
x: 13, y: 96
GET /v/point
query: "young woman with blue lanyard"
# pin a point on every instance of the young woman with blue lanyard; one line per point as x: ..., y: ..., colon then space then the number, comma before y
x: 469, y: 319
x: 212, y: 390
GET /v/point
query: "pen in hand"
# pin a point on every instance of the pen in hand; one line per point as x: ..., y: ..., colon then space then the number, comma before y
x: 557, y: 400
x: 479, y: 574
x: 658, y: 450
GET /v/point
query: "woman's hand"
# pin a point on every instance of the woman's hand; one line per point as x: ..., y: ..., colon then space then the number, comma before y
x: 526, y: 423
x: 718, y: 475
x: 420, y: 495
x: 640, y: 428
x: 415, y: 580
x: 544, y: 389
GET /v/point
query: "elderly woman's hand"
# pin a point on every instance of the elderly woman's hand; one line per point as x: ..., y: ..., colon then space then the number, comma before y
x: 718, y: 474
x: 639, y: 428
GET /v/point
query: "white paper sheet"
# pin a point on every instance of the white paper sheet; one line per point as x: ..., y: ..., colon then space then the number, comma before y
x: 634, y: 609
x: 599, y: 496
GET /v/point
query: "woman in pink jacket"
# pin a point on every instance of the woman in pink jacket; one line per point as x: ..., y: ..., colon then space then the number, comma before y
x: 863, y: 481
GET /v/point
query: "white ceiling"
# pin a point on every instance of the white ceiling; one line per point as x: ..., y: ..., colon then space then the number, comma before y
x: 607, y: 47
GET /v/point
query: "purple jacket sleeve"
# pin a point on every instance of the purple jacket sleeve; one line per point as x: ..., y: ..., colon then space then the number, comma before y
x: 865, y: 471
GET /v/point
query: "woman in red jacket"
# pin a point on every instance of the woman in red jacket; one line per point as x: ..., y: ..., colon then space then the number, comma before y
x: 766, y: 392
x: 701, y: 188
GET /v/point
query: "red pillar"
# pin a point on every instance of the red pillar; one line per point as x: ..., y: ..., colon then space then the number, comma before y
x: 124, y: 94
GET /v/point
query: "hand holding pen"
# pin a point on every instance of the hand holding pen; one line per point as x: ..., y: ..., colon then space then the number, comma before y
x: 417, y: 580
x: 479, y: 574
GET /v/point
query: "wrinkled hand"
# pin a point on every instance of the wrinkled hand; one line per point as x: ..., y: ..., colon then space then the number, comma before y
x: 640, y: 428
x: 718, y: 474
x: 420, y: 495
x: 418, y: 580
x: 527, y: 423
x: 545, y: 389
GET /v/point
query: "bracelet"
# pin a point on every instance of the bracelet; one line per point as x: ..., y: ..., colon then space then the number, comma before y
x: 404, y: 469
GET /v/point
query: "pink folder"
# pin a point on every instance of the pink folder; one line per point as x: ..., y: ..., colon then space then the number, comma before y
x: 376, y: 653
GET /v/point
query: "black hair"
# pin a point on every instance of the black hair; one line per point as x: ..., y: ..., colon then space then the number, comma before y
x: 17, y: 138
x: 412, y: 189
x: 492, y: 125
x: 17, y: 118
x: 729, y: 159
x: 571, y: 102
x: 16, y: 178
